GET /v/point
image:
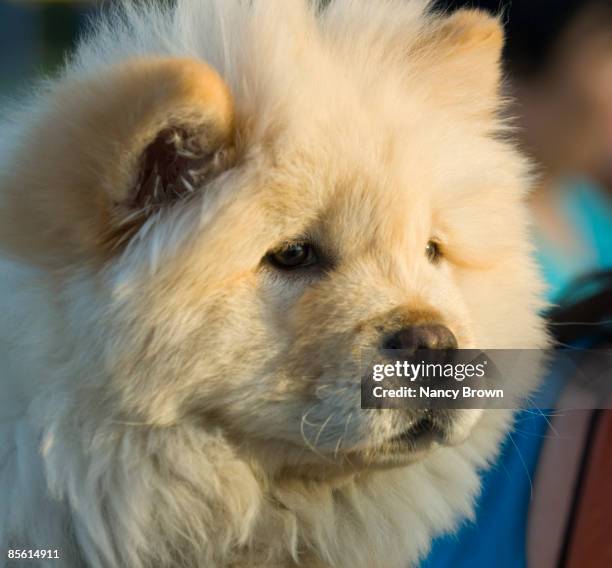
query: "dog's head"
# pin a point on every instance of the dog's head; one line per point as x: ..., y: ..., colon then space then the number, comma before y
x: 230, y: 252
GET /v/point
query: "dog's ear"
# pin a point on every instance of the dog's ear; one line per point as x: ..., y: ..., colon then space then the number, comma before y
x: 461, y: 58
x: 111, y: 150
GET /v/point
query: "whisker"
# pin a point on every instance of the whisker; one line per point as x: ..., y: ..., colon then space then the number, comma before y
x: 524, y: 465
x: 316, y: 442
x: 308, y: 443
x: 341, y: 438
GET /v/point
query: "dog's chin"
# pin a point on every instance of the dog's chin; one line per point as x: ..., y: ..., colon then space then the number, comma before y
x: 338, y: 466
x: 349, y: 465
x: 284, y: 460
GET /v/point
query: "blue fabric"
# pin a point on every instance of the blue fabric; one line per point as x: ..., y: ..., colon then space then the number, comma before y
x: 498, y: 535
x: 497, y: 538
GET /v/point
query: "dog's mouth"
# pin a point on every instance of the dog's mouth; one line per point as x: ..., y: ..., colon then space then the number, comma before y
x: 421, y: 435
x: 418, y: 439
x: 416, y: 435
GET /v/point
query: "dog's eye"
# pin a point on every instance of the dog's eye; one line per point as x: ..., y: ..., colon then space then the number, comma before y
x: 433, y: 252
x: 293, y: 255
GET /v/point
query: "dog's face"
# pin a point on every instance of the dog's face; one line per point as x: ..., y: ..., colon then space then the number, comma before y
x: 236, y: 259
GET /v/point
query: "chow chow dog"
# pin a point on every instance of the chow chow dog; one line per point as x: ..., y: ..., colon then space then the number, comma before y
x: 206, y: 220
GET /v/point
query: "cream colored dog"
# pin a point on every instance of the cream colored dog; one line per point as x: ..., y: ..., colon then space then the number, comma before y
x: 207, y: 220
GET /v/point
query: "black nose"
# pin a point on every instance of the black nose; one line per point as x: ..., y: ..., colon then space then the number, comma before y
x: 430, y: 336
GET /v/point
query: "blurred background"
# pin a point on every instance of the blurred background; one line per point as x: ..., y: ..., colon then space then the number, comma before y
x: 34, y: 36
x: 549, y: 503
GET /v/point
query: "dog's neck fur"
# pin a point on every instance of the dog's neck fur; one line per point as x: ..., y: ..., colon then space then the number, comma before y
x: 123, y: 494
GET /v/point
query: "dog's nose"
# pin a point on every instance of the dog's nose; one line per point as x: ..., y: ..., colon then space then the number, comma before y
x: 427, y: 336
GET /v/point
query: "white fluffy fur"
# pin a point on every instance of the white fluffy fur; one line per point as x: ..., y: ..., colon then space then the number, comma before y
x: 113, y: 490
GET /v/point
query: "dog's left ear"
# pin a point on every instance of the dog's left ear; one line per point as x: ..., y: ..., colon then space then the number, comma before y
x: 461, y: 58
x: 110, y: 150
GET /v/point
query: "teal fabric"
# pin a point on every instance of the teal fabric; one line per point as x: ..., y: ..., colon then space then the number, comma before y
x: 498, y: 535
x: 589, y: 212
